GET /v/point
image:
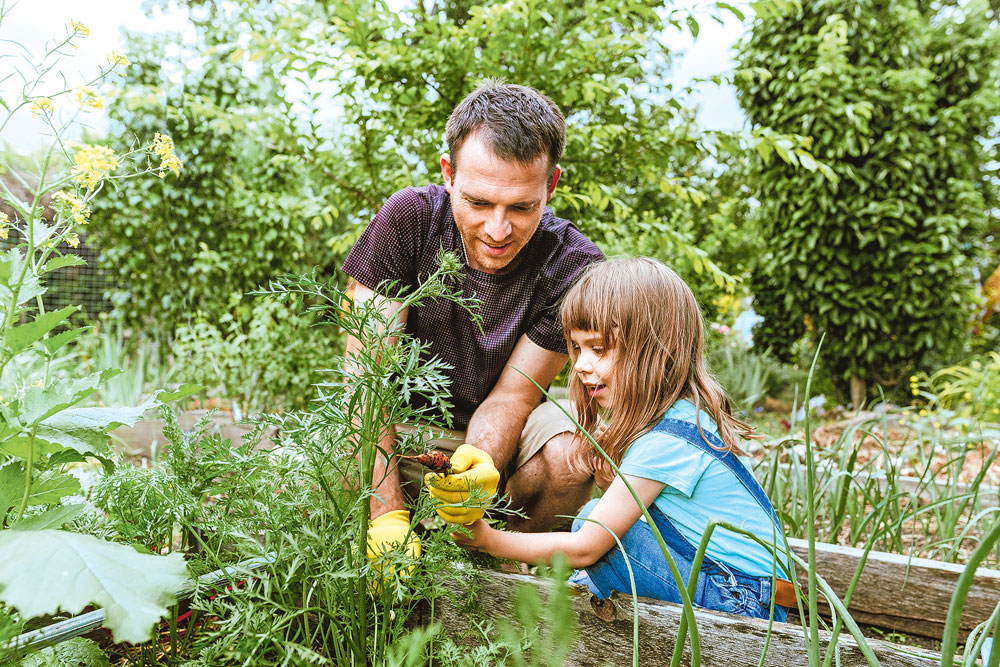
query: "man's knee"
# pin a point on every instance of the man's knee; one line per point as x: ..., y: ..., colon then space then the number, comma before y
x: 564, y: 458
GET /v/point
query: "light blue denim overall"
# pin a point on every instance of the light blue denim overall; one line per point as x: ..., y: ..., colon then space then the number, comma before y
x: 719, y: 587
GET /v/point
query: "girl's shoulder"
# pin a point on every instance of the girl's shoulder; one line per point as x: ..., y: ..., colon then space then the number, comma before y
x: 685, y: 411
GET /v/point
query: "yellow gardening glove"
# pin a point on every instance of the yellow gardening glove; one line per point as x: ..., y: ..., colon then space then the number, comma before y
x: 474, y: 469
x: 385, y: 533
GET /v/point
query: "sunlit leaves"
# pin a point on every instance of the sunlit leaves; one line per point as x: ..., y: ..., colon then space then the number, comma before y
x: 70, y: 571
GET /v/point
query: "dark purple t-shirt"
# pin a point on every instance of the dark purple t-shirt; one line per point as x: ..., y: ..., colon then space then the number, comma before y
x: 401, y: 244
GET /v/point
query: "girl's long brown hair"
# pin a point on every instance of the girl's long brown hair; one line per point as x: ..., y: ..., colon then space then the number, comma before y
x: 650, y: 318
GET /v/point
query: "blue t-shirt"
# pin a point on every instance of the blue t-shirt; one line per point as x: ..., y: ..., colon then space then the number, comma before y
x: 701, y: 489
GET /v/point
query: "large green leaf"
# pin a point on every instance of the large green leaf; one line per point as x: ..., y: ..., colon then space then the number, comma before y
x: 78, y: 420
x: 75, y: 652
x: 55, y: 342
x: 10, y: 266
x: 50, y: 570
x: 51, y: 518
x: 40, y: 403
x: 20, y: 446
x: 18, y: 338
x: 63, y: 261
x: 11, y: 486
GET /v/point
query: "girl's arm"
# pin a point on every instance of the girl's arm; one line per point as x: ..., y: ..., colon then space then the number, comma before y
x: 617, y: 510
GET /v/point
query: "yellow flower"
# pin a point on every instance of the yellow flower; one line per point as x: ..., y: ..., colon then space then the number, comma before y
x: 41, y: 105
x: 72, y: 240
x: 116, y: 58
x: 163, y: 147
x: 923, y: 413
x: 79, y: 28
x: 73, y: 206
x: 38, y: 383
x: 92, y: 163
x: 913, y: 379
x: 88, y: 97
x: 4, y: 223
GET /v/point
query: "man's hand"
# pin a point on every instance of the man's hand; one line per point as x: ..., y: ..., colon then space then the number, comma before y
x: 384, y: 534
x: 474, y: 469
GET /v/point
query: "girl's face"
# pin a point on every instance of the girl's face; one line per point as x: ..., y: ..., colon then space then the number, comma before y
x: 594, y: 365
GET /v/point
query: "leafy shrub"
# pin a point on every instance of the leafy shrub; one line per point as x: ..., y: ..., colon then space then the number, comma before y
x: 265, y: 356
x: 239, y: 213
x: 895, y: 98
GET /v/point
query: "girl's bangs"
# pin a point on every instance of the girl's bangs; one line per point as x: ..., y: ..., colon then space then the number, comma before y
x: 586, y: 307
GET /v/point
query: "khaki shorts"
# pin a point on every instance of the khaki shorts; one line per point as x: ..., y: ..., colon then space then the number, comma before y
x: 544, y: 423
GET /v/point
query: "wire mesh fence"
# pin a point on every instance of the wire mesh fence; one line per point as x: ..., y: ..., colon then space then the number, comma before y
x: 85, y: 285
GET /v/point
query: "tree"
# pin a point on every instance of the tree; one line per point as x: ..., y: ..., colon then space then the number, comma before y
x: 241, y: 210
x: 634, y: 162
x: 897, y: 103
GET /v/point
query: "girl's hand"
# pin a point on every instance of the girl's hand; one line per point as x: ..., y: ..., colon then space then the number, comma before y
x: 480, y: 534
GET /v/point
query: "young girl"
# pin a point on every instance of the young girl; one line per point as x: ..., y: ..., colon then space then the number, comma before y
x: 639, y: 382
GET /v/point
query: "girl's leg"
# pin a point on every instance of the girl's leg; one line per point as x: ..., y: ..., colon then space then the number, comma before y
x: 718, y: 588
x: 650, y: 571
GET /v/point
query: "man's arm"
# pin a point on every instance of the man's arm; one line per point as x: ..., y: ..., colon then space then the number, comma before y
x: 497, y: 423
x: 389, y: 495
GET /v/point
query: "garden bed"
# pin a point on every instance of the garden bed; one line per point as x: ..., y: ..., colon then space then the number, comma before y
x: 146, y: 437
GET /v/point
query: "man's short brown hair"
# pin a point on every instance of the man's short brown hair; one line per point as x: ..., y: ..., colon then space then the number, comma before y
x: 517, y: 123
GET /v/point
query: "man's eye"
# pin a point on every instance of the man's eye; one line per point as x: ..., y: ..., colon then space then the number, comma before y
x: 522, y: 209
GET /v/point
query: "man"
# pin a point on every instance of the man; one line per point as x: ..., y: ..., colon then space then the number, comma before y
x: 504, y: 144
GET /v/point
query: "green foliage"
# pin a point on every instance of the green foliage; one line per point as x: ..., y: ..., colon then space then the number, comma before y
x: 42, y: 427
x: 266, y: 360
x: 75, y: 652
x: 241, y: 209
x: 746, y: 375
x: 134, y: 589
x: 967, y: 390
x: 633, y: 178
x: 897, y: 103
x: 304, y: 508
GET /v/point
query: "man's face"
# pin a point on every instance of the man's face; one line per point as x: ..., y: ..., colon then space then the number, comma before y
x: 497, y: 204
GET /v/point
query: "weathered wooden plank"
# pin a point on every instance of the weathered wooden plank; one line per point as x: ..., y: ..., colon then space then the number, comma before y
x: 909, y: 595
x: 727, y: 640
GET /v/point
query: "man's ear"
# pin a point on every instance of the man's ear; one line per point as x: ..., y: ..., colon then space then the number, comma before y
x: 446, y: 174
x: 552, y: 183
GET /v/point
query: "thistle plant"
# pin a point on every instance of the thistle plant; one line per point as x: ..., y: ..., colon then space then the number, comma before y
x: 41, y: 429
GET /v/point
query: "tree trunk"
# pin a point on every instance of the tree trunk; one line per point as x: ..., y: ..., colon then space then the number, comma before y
x: 858, y: 392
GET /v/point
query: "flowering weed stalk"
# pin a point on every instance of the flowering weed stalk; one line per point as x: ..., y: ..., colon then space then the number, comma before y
x: 41, y: 430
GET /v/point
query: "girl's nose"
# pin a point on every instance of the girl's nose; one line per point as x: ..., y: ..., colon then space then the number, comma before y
x: 583, y: 363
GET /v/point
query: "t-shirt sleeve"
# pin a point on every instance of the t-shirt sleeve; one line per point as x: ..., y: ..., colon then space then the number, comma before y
x: 387, y: 251
x: 668, y: 459
x: 546, y: 331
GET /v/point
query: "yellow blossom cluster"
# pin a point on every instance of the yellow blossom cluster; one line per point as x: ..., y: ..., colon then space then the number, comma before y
x: 914, y: 385
x: 88, y: 97
x: 41, y: 105
x: 74, y: 207
x: 92, y: 163
x: 79, y: 28
x: 73, y: 240
x: 4, y: 223
x: 116, y: 58
x: 163, y: 147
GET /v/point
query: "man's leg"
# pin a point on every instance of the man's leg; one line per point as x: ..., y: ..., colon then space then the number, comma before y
x: 548, y: 480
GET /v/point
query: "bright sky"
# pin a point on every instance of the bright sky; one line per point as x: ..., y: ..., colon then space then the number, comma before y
x: 37, y: 23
